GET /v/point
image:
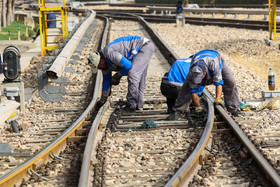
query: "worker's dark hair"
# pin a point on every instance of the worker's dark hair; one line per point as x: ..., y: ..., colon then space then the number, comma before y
x: 101, y: 54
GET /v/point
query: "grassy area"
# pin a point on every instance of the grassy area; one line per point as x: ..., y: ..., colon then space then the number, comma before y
x: 13, y: 28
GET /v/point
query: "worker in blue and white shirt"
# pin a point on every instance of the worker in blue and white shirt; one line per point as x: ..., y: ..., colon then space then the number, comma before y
x: 173, y: 81
x: 128, y: 56
x: 208, y: 67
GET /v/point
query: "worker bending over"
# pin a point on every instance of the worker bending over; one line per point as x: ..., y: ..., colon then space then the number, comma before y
x: 207, y: 67
x: 128, y: 56
x: 173, y: 80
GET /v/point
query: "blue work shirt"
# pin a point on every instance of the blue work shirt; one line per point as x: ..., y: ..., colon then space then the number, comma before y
x: 178, y: 72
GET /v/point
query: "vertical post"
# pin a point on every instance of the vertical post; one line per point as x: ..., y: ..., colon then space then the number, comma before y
x: 33, y: 23
x: 18, y: 32
x: 45, y: 28
x: 26, y: 30
x: 63, y: 23
x: 274, y: 19
x: 9, y: 35
x: 40, y: 27
x: 66, y: 23
x: 269, y: 20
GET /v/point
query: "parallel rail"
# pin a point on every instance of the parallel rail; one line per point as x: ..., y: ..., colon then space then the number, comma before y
x: 17, y: 174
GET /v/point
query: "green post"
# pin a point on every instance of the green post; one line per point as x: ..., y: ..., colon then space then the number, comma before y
x: 9, y: 35
x: 18, y: 32
x: 26, y: 34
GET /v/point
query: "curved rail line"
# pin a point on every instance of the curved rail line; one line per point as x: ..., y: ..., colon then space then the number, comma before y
x: 16, y: 175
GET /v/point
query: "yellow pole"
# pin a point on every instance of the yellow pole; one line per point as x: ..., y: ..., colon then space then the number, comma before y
x: 41, y: 32
x: 269, y: 19
x: 63, y: 24
x: 66, y: 23
x: 274, y: 19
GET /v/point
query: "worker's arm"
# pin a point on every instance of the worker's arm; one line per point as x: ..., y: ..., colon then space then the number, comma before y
x: 219, y: 90
x: 195, y: 99
x: 218, y: 100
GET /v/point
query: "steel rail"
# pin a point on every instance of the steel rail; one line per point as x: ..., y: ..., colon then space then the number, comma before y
x: 85, y: 177
x: 84, y: 174
x: 245, y: 21
x: 270, y: 172
x: 184, y: 172
x: 14, y: 176
x: 213, y: 10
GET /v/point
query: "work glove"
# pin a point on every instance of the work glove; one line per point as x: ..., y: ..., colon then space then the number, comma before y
x: 199, y: 110
x: 219, y: 101
x: 115, y: 80
x: 101, y: 102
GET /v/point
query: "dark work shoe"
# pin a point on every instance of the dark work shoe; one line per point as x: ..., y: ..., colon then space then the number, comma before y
x: 128, y: 109
x: 170, y: 111
x: 238, y: 114
x: 175, y: 116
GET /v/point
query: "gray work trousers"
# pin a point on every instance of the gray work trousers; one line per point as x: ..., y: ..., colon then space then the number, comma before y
x: 229, y: 90
x: 137, y: 76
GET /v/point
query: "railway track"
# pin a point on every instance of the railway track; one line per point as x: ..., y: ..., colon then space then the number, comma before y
x: 112, y: 158
x: 49, y: 126
x: 167, y: 54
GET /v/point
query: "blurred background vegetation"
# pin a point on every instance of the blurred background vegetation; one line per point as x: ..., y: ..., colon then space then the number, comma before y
x: 12, y: 31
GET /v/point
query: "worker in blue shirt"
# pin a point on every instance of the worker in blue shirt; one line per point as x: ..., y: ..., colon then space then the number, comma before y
x: 173, y: 80
x: 207, y: 67
x: 128, y: 56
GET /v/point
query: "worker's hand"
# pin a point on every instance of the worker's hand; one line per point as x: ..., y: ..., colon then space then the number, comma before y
x: 199, y: 110
x: 116, y: 79
x: 101, y: 102
x: 219, y: 101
